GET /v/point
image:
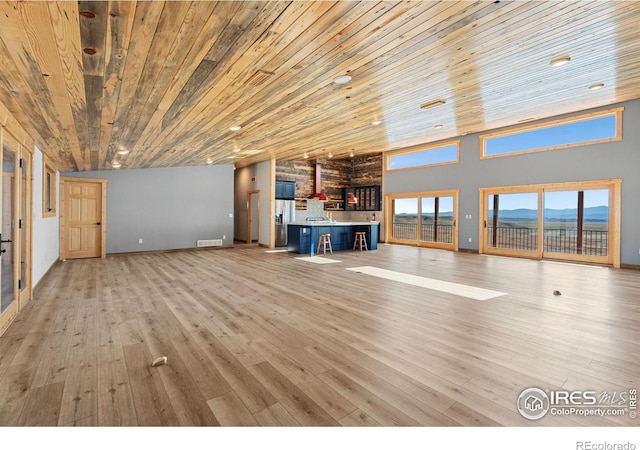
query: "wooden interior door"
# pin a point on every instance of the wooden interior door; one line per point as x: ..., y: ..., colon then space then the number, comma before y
x: 83, y: 219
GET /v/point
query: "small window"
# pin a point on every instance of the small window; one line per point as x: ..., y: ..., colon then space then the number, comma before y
x: 587, y: 129
x: 447, y: 153
x: 48, y: 191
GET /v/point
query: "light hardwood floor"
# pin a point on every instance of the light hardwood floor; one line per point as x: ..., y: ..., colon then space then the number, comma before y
x: 256, y: 338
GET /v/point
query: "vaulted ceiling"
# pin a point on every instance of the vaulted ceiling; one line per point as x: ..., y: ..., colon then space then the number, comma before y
x: 167, y: 80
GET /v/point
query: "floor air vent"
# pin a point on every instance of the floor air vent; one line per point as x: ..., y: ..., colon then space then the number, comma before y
x: 209, y: 242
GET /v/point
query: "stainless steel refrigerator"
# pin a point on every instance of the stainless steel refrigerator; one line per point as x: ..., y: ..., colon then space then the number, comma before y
x: 285, y: 213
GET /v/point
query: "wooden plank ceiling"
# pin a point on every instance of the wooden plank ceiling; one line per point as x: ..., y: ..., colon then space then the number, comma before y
x: 167, y: 80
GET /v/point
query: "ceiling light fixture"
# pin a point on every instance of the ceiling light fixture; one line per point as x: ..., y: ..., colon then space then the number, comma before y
x: 123, y: 151
x: 342, y: 79
x: 330, y: 155
x: 560, y: 60
x: 235, y: 128
x: 236, y: 150
x: 306, y: 156
x: 116, y: 165
x: 438, y: 126
x: 209, y: 161
x: 376, y: 122
x: 595, y: 87
x: 352, y: 154
x: 323, y: 197
x: 352, y: 200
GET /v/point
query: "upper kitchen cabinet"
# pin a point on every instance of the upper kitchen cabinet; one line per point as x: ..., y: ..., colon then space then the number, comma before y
x: 367, y: 198
x: 285, y: 190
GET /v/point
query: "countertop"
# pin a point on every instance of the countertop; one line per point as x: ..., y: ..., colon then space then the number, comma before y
x: 333, y: 224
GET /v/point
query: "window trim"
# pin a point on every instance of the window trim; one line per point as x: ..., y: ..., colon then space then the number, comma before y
x: 617, y: 112
x: 48, y: 171
x: 422, y: 148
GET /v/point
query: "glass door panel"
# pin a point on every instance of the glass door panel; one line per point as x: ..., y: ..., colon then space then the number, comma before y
x: 437, y: 224
x: 405, y: 219
x: 428, y: 223
x: 561, y: 222
x: 595, y: 230
x: 7, y: 295
x: 577, y: 222
x: 512, y: 221
x: 446, y: 220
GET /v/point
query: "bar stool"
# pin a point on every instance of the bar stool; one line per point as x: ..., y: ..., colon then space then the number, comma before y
x: 324, y: 243
x: 360, y: 240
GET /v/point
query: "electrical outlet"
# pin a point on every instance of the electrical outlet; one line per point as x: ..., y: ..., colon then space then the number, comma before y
x: 140, y: 241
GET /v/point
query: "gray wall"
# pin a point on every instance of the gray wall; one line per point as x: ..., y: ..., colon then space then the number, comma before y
x: 168, y: 208
x: 619, y: 159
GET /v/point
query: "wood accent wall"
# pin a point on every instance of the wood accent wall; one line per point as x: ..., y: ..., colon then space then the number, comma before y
x: 336, y: 174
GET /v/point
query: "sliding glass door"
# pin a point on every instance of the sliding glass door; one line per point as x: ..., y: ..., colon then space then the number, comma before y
x: 571, y: 221
x: 426, y: 219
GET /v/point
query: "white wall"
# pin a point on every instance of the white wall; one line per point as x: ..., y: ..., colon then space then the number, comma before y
x: 46, y: 230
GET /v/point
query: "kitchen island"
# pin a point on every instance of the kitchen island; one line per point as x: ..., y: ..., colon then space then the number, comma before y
x: 301, y: 235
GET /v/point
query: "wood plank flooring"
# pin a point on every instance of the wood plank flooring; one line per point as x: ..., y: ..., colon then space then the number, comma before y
x: 265, y: 339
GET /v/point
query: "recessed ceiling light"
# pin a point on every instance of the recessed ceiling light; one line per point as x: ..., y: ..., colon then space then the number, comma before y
x: 236, y: 150
x: 560, y: 61
x: 209, y: 161
x: 342, y: 79
x: 116, y: 165
x: 439, y: 125
x: 376, y: 122
x: 596, y: 86
x: 235, y: 128
x: 123, y: 151
x: 306, y: 156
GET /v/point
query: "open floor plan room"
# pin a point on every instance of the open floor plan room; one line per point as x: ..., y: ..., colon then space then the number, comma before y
x: 258, y: 338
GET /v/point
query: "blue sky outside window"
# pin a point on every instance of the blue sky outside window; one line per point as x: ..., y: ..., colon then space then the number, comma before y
x: 564, y: 134
x: 421, y: 158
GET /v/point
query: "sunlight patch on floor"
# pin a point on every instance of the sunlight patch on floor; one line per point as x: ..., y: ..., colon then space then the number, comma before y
x: 318, y: 259
x: 462, y: 290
